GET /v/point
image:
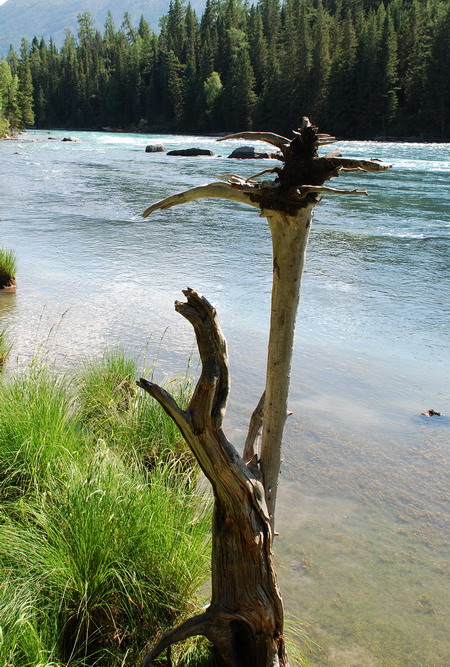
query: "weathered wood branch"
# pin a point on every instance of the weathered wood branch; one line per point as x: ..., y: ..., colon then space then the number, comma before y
x: 245, y: 595
x: 289, y: 240
x: 217, y: 190
x: 193, y: 626
x: 305, y: 189
x: 269, y: 137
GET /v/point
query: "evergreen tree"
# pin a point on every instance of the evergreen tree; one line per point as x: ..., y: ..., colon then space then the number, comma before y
x: 10, y: 113
x: 388, y: 62
x: 320, y: 65
x: 438, y: 73
x: 68, y: 92
x: 209, y: 39
x: 341, y: 105
x: 239, y: 90
x: 258, y: 48
x: 38, y: 69
x: 25, y: 86
x: 175, y: 27
x: 174, y: 88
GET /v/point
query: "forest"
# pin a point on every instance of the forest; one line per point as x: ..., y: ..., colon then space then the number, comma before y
x: 357, y: 68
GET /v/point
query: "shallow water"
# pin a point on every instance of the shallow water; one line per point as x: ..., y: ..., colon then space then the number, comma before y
x: 364, y: 504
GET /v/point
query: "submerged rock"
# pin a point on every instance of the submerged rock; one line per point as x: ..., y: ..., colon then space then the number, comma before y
x: 155, y: 148
x: 70, y: 139
x: 250, y: 153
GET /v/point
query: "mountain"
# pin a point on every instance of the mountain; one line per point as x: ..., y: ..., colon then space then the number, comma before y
x: 45, y: 18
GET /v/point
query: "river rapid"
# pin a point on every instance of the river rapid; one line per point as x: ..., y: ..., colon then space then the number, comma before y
x: 364, y: 515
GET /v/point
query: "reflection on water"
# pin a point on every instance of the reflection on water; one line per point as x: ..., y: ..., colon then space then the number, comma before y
x: 7, y: 304
x: 363, y: 510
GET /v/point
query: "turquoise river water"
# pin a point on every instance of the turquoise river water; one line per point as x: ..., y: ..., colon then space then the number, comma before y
x: 364, y: 514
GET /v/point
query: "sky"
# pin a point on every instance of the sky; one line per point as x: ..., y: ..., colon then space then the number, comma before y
x: 2, y: 1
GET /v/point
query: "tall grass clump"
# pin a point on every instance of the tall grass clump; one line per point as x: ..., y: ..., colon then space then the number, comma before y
x: 38, y: 430
x: 8, y: 268
x: 24, y: 627
x: 112, y: 406
x: 99, y: 552
x: 5, y: 349
x: 114, y: 556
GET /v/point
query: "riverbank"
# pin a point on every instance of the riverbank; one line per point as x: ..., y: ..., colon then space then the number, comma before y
x: 155, y: 130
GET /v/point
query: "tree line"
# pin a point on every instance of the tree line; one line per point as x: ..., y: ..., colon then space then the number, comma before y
x: 357, y: 68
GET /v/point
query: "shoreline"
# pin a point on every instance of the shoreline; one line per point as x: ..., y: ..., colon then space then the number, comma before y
x: 21, y: 136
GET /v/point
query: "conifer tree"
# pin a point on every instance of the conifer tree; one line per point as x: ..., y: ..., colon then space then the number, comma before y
x: 239, y: 89
x: 25, y: 86
x: 258, y: 48
x: 341, y: 110
x: 10, y: 114
x: 388, y: 70
x: 174, y: 90
x: 438, y: 72
x: 320, y: 64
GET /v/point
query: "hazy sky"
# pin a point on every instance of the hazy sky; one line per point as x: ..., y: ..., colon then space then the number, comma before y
x: 2, y: 1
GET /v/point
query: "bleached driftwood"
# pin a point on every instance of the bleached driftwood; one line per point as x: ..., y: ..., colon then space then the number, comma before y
x: 244, y: 621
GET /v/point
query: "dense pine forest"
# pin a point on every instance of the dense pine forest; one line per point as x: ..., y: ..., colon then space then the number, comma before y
x: 358, y: 68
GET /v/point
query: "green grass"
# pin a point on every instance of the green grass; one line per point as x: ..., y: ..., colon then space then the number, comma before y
x: 39, y: 431
x: 8, y: 267
x: 112, y: 406
x: 99, y: 551
x: 5, y: 349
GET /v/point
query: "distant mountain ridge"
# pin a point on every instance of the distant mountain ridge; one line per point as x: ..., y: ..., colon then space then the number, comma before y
x: 51, y: 18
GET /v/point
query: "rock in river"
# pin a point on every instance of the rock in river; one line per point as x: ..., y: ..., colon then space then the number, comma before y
x: 191, y: 152
x: 155, y: 148
x: 250, y: 153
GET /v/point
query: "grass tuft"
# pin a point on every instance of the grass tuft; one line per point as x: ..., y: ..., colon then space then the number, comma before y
x: 8, y: 267
x: 5, y: 349
x: 113, y: 407
x: 39, y: 431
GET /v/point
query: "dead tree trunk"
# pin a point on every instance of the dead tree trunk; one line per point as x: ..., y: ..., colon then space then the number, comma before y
x: 245, y: 618
x: 244, y: 621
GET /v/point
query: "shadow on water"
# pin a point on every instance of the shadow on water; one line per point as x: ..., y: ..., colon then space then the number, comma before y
x: 7, y: 304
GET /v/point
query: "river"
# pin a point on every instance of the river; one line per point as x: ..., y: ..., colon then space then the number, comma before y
x: 363, y: 515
